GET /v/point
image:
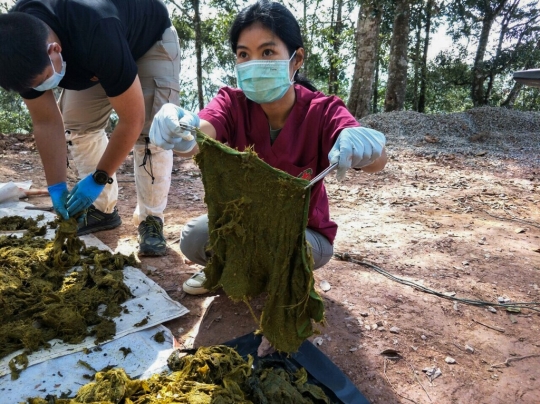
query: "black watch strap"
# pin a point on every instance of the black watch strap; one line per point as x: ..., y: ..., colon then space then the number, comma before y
x: 102, y: 178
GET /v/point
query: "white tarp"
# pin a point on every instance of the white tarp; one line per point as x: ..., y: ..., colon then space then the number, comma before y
x: 66, y: 374
x: 150, y: 303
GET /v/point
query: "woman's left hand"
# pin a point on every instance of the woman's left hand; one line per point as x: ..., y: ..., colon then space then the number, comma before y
x: 355, y: 148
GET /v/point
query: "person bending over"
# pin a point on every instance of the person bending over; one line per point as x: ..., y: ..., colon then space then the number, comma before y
x: 105, y: 55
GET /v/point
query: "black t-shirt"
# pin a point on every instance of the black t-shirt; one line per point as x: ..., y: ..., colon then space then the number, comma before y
x: 100, y: 38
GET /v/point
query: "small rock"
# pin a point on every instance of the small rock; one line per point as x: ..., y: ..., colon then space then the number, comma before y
x: 469, y: 349
x: 382, y: 329
x: 380, y: 323
x: 394, y: 330
x: 374, y: 326
x: 353, y: 349
x: 368, y: 327
x: 432, y: 373
x: 423, y: 337
x: 450, y: 360
x: 520, y: 230
x: 265, y: 348
x: 325, y: 286
x: 364, y: 314
x: 492, y: 309
x: 318, y: 341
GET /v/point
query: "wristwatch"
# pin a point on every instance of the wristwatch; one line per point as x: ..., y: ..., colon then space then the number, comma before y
x: 102, y: 178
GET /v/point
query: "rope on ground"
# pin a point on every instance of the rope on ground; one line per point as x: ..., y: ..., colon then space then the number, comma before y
x: 512, y: 218
x: 349, y: 258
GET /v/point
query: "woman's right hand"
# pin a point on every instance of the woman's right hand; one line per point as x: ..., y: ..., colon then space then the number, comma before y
x: 172, y: 128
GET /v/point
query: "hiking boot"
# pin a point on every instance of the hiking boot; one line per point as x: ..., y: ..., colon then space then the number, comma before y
x: 151, y: 240
x: 96, y: 220
x: 194, y: 285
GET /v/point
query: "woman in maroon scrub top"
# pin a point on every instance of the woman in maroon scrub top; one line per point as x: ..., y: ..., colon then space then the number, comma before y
x: 282, y: 116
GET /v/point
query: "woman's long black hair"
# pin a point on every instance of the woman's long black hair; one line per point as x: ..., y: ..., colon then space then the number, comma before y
x: 278, y: 19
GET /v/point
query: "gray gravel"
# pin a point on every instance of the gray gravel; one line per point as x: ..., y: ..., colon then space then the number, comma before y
x: 499, y: 133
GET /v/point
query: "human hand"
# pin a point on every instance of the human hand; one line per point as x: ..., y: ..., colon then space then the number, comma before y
x: 356, y: 147
x: 83, y: 194
x: 166, y: 130
x: 59, y: 194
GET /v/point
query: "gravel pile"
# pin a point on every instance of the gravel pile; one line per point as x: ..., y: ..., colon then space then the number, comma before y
x: 498, y: 132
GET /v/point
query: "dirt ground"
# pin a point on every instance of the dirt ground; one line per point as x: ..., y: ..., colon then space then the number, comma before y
x: 464, y: 226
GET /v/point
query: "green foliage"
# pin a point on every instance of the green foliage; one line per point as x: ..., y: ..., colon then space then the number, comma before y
x: 529, y: 100
x: 448, y: 89
x: 14, y: 117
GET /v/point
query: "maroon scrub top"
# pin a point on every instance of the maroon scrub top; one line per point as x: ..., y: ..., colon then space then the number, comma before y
x: 302, y: 147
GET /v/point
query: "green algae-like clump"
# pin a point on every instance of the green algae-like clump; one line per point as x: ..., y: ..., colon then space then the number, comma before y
x: 43, y: 298
x: 212, y: 375
x: 257, y: 220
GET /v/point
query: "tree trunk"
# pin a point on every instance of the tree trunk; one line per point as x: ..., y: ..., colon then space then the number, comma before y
x: 367, y: 44
x: 512, y: 96
x: 397, y: 66
x: 423, y: 75
x: 507, y: 18
x: 337, y: 27
x: 376, y: 81
x: 417, y: 57
x: 198, y: 51
x: 479, y: 74
x: 516, y: 89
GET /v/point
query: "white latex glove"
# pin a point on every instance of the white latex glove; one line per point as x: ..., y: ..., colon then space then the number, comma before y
x: 166, y: 132
x: 356, y: 147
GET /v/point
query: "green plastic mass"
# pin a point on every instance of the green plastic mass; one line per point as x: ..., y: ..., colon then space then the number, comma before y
x: 257, y: 220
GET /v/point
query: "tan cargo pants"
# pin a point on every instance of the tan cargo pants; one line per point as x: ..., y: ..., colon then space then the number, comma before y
x: 86, y: 115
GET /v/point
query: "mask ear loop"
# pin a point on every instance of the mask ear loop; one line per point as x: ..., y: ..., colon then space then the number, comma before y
x: 291, y: 80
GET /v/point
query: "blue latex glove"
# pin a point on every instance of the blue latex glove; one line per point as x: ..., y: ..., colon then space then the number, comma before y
x: 166, y: 132
x: 356, y: 147
x: 83, y: 195
x: 59, y: 194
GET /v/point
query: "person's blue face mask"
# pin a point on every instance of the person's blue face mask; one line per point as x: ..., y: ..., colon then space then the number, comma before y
x: 264, y: 81
x: 54, y: 80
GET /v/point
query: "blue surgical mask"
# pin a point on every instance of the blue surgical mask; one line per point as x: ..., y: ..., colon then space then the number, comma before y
x: 54, y: 80
x: 264, y: 81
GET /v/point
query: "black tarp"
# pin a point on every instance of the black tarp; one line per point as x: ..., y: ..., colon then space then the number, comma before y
x: 321, y: 370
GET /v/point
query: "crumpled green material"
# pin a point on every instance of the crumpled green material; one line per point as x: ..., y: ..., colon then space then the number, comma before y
x: 43, y: 298
x: 257, y: 220
x: 212, y: 375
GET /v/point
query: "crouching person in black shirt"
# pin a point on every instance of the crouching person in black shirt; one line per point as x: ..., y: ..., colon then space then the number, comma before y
x: 104, y: 55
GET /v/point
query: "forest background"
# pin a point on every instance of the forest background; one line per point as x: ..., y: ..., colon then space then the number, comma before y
x: 377, y: 55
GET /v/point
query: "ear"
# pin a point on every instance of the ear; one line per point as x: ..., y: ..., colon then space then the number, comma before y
x: 55, y: 46
x: 299, y: 58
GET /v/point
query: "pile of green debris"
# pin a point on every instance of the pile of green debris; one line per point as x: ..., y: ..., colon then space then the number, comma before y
x: 216, y: 374
x: 42, y: 296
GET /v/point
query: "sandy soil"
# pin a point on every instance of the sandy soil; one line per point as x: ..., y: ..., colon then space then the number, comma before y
x: 417, y: 238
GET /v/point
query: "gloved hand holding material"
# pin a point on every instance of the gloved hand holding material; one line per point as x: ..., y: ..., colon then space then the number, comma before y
x: 83, y: 195
x: 59, y: 195
x: 356, y: 147
x: 168, y: 132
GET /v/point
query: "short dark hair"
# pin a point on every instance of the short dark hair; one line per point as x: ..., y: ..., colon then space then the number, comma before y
x: 278, y: 19
x: 23, y: 52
